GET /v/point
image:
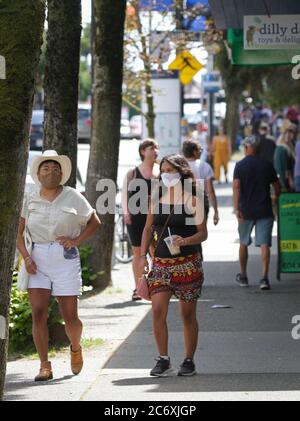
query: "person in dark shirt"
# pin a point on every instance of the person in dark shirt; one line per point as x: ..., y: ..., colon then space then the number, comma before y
x: 252, y: 179
x: 267, y: 144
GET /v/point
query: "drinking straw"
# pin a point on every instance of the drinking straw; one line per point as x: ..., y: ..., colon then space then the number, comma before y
x: 170, y: 236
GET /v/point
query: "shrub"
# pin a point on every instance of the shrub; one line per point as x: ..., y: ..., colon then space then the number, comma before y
x: 88, y: 275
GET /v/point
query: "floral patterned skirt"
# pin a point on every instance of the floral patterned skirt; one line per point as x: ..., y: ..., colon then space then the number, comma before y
x: 183, y: 276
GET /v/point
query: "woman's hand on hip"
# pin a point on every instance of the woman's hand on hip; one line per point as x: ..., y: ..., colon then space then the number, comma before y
x: 30, y: 266
x: 68, y: 242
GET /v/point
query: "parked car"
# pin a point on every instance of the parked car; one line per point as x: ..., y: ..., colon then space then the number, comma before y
x: 84, y: 122
x: 37, y: 130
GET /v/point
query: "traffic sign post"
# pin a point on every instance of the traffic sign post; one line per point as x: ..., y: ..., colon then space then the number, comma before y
x: 187, y: 65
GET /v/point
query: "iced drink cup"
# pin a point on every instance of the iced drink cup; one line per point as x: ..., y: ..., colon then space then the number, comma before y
x: 174, y: 250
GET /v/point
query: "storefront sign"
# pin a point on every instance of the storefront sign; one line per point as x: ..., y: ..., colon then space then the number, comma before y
x: 274, y: 32
x: 289, y: 233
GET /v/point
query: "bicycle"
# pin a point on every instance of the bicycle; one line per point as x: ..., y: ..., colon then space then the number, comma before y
x: 123, y: 248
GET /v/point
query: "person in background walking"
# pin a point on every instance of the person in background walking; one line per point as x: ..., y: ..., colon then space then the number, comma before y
x: 221, y: 150
x: 58, y: 219
x: 297, y: 167
x: 177, y: 268
x: 252, y: 205
x: 202, y: 171
x: 284, y: 158
x: 267, y: 143
x: 200, y: 136
x: 146, y: 171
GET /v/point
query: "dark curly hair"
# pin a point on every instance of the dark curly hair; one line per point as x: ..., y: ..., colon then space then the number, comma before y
x: 181, y: 165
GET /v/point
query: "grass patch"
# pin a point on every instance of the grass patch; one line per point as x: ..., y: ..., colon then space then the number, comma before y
x: 30, y: 353
x: 90, y: 343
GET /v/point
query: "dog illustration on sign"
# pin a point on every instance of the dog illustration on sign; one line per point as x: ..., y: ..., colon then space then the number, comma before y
x: 250, y: 35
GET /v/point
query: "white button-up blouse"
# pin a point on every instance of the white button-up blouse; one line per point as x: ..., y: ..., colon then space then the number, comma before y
x: 66, y: 216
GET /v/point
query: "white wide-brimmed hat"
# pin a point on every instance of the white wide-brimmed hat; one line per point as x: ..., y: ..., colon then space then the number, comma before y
x: 63, y: 160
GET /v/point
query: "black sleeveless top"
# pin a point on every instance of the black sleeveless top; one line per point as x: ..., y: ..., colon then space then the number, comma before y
x: 177, y: 225
x: 140, y: 217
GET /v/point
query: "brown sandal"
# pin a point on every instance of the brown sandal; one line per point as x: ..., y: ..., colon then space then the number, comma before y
x: 45, y: 373
x: 76, y: 361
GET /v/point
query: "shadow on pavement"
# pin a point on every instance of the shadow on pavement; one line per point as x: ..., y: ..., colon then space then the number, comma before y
x: 127, y: 304
x: 232, y: 382
x: 15, y: 382
x: 247, y: 347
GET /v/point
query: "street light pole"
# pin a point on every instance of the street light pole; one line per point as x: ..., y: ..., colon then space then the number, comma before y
x: 210, y: 98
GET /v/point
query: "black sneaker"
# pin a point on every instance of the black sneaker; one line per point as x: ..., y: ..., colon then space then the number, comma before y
x: 264, y: 284
x: 242, y: 280
x: 162, y: 368
x: 187, y: 368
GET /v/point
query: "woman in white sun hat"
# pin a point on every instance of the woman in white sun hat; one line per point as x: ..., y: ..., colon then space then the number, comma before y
x: 58, y: 219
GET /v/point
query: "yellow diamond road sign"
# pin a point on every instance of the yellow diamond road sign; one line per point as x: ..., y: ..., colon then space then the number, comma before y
x: 188, y: 66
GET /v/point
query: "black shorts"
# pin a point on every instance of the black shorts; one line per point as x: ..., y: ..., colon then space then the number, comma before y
x: 135, y: 230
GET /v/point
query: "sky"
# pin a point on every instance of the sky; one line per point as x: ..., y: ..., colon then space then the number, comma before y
x: 200, y: 54
x: 86, y: 11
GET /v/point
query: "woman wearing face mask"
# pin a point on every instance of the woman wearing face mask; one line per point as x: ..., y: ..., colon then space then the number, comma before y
x: 177, y: 268
x: 58, y: 219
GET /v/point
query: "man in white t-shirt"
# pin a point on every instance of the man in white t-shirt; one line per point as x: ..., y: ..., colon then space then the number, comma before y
x: 202, y: 171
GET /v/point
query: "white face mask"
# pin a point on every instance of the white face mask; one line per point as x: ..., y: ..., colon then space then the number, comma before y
x: 170, y: 179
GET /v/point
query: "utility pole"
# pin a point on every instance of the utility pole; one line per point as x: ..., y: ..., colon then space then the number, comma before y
x: 210, y: 100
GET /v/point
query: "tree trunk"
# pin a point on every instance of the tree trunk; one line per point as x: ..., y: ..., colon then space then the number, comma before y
x: 150, y: 115
x: 21, y: 28
x: 62, y: 79
x: 107, y: 101
x: 232, y: 115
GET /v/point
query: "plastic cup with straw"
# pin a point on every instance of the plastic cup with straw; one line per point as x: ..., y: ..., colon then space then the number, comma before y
x: 174, y: 250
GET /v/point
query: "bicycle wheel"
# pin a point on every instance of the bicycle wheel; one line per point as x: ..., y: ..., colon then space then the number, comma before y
x: 123, y: 249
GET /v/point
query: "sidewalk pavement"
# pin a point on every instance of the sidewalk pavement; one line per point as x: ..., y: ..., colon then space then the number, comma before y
x: 245, y: 352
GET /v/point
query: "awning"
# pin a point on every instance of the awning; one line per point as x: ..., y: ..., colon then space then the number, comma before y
x: 230, y: 13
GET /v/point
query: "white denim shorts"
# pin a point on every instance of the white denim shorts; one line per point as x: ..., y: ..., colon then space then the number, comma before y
x: 54, y: 272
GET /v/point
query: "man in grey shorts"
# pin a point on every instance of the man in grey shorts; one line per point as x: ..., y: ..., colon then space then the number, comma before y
x: 252, y: 179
